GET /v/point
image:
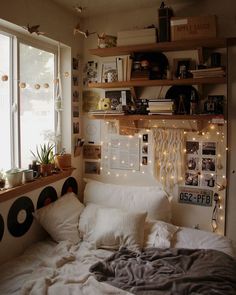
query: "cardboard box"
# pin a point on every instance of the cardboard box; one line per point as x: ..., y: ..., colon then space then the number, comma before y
x: 189, y: 28
x: 135, y: 37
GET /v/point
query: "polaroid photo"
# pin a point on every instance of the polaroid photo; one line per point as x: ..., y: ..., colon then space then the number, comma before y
x: 209, y: 148
x: 192, y: 163
x: 144, y: 160
x: 192, y: 147
x: 75, y: 111
x: 191, y: 178
x: 145, y: 149
x: 145, y: 137
x: 76, y: 127
x: 208, y: 180
x: 209, y: 164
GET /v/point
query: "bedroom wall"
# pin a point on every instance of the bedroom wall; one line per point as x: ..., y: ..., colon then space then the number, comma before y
x: 185, y: 215
x: 58, y: 25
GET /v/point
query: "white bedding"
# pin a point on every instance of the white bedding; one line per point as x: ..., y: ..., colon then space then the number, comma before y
x: 50, y: 268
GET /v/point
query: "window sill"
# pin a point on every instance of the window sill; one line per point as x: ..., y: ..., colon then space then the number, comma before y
x: 30, y: 186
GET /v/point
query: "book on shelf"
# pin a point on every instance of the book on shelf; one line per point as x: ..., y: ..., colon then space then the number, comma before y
x: 160, y: 113
x: 209, y: 72
x: 106, y: 112
x: 124, y: 67
x: 157, y: 109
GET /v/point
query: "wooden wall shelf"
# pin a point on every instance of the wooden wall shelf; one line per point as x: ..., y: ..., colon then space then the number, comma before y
x: 205, y: 117
x: 30, y: 186
x: 152, y: 83
x: 163, y: 46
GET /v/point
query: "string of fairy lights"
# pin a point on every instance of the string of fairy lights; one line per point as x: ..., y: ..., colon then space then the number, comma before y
x: 36, y: 86
x: 212, y: 132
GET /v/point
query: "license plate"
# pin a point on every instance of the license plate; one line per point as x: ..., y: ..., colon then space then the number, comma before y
x: 195, y: 196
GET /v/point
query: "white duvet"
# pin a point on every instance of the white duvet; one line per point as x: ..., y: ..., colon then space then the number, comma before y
x: 63, y: 269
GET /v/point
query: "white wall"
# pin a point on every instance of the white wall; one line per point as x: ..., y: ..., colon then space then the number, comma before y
x: 111, y: 23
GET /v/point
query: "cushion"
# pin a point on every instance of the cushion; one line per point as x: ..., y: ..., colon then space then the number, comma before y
x: 87, y: 220
x: 158, y: 234
x: 151, y: 199
x: 61, y: 218
x: 115, y: 228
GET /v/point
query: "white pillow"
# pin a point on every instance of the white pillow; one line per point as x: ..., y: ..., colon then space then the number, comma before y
x: 61, y: 218
x: 158, y: 234
x: 87, y: 220
x: 151, y: 199
x: 115, y: 228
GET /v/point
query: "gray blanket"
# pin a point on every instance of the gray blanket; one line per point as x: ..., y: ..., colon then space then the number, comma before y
x: 169, y: 272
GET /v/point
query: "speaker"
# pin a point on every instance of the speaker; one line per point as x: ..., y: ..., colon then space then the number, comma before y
x: 164, y: 15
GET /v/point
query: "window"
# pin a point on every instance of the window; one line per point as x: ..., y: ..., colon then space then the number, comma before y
x: 26, y: 101
x: 36, y: 100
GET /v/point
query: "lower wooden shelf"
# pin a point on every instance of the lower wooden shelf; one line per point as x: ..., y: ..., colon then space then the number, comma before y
x: 30, y: 186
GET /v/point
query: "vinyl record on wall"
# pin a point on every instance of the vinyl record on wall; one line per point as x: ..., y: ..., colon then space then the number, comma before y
x: 1, y: 227
x: 20, y: 216
x: 70, y: 185
x: 47, y: 196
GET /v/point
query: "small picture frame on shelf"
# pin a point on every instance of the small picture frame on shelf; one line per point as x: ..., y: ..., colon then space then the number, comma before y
x: 181, y: 67
x: 108, y: 71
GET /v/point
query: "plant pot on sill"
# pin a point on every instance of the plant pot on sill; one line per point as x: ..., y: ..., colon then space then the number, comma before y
x: 46, y: 169
x: 63, y: 162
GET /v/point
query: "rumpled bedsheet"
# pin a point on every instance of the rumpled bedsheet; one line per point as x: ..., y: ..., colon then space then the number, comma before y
x: 49, y: 269
x: 169, y: 272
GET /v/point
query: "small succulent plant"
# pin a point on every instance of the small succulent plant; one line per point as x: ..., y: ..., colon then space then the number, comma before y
x: 44, y: 153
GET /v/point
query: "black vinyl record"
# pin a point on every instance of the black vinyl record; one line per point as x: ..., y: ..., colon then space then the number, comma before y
x: 176, y: 91
x: 47, y: 196
x: 1, y: 227
x: 70, y: 185
x: 20, y: 216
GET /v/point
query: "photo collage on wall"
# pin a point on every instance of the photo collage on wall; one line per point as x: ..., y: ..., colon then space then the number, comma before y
x: 201, y: 163
x: 145, y: 149
x: 75, y: 104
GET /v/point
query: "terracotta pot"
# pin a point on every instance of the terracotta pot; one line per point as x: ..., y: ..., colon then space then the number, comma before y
x: 46, y: 169
x: 63, y: 162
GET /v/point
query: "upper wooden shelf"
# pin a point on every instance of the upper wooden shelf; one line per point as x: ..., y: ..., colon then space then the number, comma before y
x: 163, y: 46
x: 141, y: 83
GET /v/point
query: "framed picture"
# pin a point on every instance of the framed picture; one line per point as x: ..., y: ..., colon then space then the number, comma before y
x: 75, y: 111
x: 75, y: 63
x: 92, y: 152
x: 108, y: 66
x: 91, y: 167
x: 181, y: 66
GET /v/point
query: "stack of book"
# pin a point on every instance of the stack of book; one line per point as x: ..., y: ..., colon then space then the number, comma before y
x: 209, y: 72
x: 106, y: 112
x: 140, y: 75
x: 160, y: 106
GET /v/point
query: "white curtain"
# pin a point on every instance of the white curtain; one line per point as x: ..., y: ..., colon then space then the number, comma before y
x: 169, y: 156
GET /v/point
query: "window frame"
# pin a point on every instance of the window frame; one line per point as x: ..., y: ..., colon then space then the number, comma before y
x: 14, y: 73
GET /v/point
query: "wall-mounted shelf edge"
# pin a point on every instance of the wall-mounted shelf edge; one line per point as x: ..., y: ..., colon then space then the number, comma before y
x: 163, y: 46
x: 152, y: 83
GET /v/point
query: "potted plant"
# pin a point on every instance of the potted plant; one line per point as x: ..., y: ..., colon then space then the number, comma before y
x: 45, y: 157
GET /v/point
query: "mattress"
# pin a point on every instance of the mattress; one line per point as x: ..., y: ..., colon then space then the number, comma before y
x: 50, y: 268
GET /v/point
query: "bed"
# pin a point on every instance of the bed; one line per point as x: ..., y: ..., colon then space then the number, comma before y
x: 120, y: 228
